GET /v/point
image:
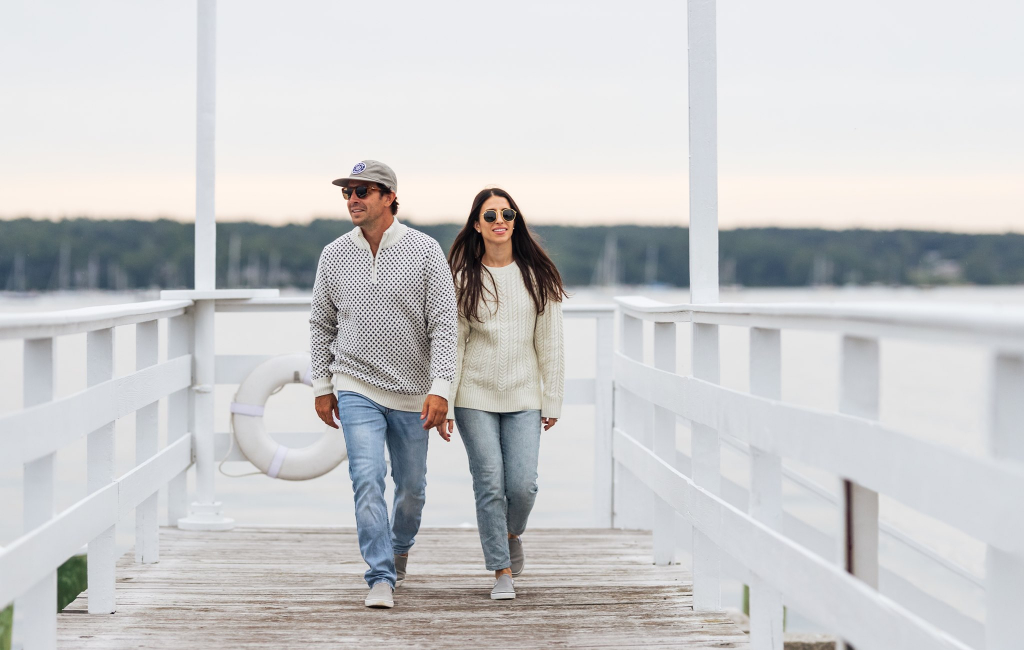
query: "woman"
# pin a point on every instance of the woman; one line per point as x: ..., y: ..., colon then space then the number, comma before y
x: 510, y: 373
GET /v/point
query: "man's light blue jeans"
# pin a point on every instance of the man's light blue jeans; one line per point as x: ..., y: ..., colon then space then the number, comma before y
x: 367, y: 426
x: 503, y: 450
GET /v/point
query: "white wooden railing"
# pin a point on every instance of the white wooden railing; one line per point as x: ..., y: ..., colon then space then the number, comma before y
x: 750, y: 535
x: 31, y: 437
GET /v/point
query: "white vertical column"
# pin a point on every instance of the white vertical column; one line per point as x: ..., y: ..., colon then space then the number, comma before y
x: 707, y: 464
x: 206, y: 114
x: 703, y: 98
x: 765, y: 488
x: 633, y: 500
x: 664, y: 446
x: 603, y: 421
x: 37, y: 607
x: 1005, y: 570
x: 702, y: 69
x: 147, y: 422
x: 100, y: 452
x: 179, y: 415
x: 205, y: 512
x: 859, y: 387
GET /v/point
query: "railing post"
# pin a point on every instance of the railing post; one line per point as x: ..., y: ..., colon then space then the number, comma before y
x: 36, y: 609
x: 664, y: 446
x: 702, y: 86
x: 766, y: 614
x: 147, y: 529
x: 100, y: 452
x: 706, y: 452
x: 858, y: 395
x: 205, y: 512
x: 633, y: 499
x: 179, y: 409
x: 1005, y: 570
x: 604, y: 398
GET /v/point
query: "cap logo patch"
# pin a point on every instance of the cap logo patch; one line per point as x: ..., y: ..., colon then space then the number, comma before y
x: 359, y: 168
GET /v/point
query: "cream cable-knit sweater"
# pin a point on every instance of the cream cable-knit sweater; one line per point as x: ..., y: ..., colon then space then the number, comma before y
x: 514, y: 360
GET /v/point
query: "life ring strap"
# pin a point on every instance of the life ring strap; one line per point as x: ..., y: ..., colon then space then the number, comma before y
x: 275, y: 465
x: 255, y: 410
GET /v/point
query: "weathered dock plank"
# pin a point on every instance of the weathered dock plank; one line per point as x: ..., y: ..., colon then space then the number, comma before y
x: 303, y: 587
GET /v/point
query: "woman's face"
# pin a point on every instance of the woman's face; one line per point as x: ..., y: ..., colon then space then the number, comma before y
x: 500, y: 231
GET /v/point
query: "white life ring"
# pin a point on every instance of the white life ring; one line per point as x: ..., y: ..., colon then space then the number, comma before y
x: 272, y: 458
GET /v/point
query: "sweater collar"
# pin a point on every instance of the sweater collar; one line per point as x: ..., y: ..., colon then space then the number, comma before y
x: 391, y: 236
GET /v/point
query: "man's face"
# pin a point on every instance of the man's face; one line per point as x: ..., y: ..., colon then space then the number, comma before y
x: 366, y: 211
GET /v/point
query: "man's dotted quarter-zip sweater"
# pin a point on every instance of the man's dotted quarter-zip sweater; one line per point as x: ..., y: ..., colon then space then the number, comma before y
x: 385, y: 326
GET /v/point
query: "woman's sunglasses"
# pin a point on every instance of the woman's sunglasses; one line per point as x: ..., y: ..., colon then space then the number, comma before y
x: 508, y: 214
x: 360, y: 191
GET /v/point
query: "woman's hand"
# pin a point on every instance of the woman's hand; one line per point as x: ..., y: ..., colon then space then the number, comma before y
x: 445, y: 429
x: 548, y: 422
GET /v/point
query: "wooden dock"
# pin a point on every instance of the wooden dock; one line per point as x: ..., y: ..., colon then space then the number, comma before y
x: 303, y: 587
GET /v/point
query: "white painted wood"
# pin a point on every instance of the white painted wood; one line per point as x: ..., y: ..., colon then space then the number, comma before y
x: 206, y: 170
x: 142, y: 483
x: 302, y: 304
x: 858, y: 396
x: 766, y: 613
x: 205, y: 512
x: 43, y: 429
x: 1005, y: 567
x: 702, y: 83
x: 100, y: 474
x: 230, y: 295
x: 706, y: 453
x: 995, y: 326
x: 816, y: 587
x: 147, y: 443
x: 179, y: 408
x: 36, y: 325
x: 962, y: 490
x: 634, y: 505
x: 604, y: 399
x: 36, y: 606
x: 664, y: 445
x: 916, y: 600
x: 26, y: 561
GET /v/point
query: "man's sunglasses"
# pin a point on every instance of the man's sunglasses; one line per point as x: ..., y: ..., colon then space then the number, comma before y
x: 360, y: 191
x: 508, y: 214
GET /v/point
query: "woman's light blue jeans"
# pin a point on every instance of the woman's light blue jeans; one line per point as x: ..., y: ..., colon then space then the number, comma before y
x: 367, y: 426
x: 503, y: 449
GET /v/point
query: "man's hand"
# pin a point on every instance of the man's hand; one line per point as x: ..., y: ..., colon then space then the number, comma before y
x: 327, y: 409
x: 445, y: 429
x: 434, y: 410
x: 548, y: 422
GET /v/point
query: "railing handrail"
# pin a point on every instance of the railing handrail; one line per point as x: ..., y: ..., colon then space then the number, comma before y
x: 302, y: 303
x: 993, y: 325
x: 31, y: 325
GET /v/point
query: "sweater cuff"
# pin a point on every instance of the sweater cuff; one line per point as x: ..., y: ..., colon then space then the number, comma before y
x: 550, y: 408
x: 441, y: 388
x: 323, y: 386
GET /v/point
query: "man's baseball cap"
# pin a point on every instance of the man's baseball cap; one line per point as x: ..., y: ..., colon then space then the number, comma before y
x: 371, y: 171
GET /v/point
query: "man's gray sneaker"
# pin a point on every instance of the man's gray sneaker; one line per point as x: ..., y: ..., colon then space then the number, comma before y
x: 515, y: 554
x: 381, y: 595
x: 504, y: 588
x: 400, y: 563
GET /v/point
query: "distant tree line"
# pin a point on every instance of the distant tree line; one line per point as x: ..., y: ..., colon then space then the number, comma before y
x: 38, y: 255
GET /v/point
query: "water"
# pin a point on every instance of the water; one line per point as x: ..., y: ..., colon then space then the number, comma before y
x: 934, y: 392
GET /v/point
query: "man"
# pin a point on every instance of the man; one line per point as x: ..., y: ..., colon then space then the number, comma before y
x: 383, y: 330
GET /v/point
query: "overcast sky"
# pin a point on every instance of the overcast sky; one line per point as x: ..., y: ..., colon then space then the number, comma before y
x: 876, y: 114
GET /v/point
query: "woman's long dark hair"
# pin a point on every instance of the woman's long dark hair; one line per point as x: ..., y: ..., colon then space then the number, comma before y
x: 540, y: 276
